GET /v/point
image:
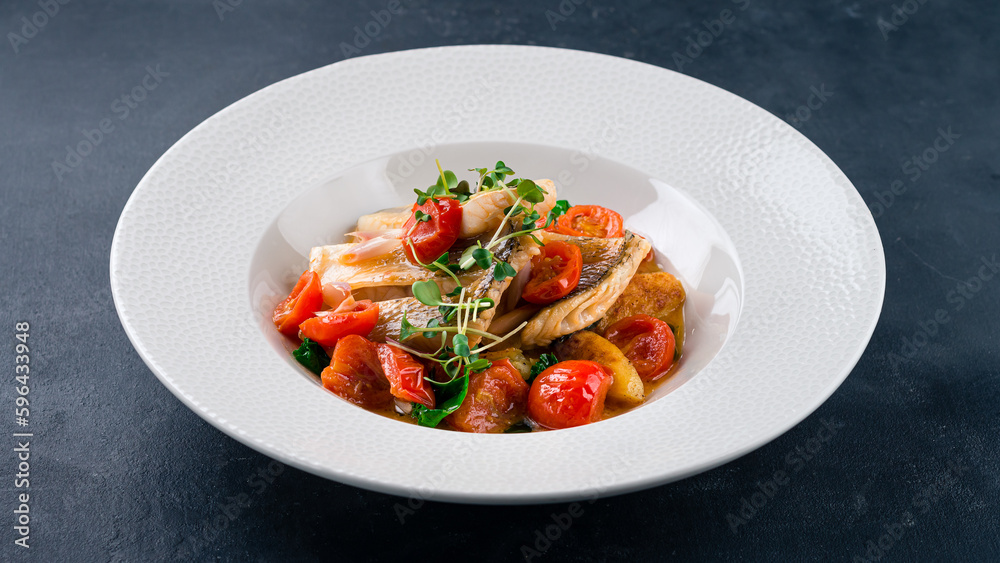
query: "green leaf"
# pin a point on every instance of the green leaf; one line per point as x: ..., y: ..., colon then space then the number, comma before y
x: 502, y: 170
x: 482, y: 257
x: 530, y: 221
x: 427, y: 292
x: 434, y: 323
x: 449, y: 397
x: 406, y: 330
x: 545, y: 361
x: 530, y: 191
x: 466, y: 261
x: 462, y: 187
x: 455, y: 292
x: 421, y: 196
x: 503, y: 270
x: 447, y: 183
x: 421, y: 217
x: 451, y: 370
x: 312, y: 356
x: 488, y: 181
x: 460, y: 343
x: 560, y: 208
x: 480, y: 365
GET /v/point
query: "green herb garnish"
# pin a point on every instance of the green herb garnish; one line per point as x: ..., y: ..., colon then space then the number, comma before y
x: 460, y: 359
x: 312, y: 356
x: 449, y: 396
x: 545, y: 361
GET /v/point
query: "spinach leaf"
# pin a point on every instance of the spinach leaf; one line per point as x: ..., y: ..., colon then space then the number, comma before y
x: 449, y: 396
x: 312, y: 356
x: 545, y: 361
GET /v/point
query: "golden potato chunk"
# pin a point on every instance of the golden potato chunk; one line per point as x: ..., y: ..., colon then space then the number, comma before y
x: 585, y: 345
x: 516, y: 357
x: 658, y: 294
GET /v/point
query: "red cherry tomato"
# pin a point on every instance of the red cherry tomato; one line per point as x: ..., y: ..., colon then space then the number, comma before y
x: 569, y: 394
x: 405, y: 375
x: 647, y: 342
x: 649, y: 255
x: 306, y: 298
x: 355, y: 373
x: 555, y: 273
x: 327, y: 329
x: 497, y: 398
x: 589, y: 221
x: 434, y: 237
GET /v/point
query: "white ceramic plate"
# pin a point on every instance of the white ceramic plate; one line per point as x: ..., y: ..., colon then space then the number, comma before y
x: 781, y: 258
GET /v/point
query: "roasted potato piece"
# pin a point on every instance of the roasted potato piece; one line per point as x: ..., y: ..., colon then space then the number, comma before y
x: 516, y: 357
x: 586, y: 345
x: 658, y: 294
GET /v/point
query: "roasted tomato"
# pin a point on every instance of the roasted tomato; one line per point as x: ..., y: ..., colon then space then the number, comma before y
x: 647, y: 342
x: 328, y: 328
x: 405, y: 375
x: 433, y: 237
x: 569, y: 394
x: 589, y: 221
x: 555, y: 273
x: 649, y: 255
x: 355, y: 373
x: 306, y: 298
x: 497, y: 398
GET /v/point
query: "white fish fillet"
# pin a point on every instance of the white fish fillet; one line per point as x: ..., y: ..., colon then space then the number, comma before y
x: 588, y: 303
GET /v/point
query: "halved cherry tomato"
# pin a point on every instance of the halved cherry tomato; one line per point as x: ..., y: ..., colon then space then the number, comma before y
x: 306, y: 298
x: 405, y: 375
x: 555, y: 273
x: 434, y: 237
x: 355, y: 373
x: 327, y: 328
x: 649, y: 255
x: 647, y: 342
x: 589, y: 221
x: 497, y: 398
x: 570, y: 393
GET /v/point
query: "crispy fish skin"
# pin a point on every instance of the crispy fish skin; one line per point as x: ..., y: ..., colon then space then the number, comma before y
x: 586, y: 305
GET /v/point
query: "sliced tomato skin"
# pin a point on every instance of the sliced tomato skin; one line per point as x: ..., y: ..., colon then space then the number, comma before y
x: 568, y: 394
x: 432, y: 238
x: 589, y: 221
x: 328, y: 329
x: 497, y: 399
x: 555, y: 273
x: 355, y: 373
x: 306, y: 298
x: 405, y: 375
x: 647, y: 342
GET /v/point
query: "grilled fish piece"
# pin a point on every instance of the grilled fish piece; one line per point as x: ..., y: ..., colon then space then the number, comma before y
x: 389, y: 269
x: 609, y: 265
x: 479, y: 284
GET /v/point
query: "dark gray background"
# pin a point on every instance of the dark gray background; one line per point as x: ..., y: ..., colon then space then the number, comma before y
x: 121, y: 470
